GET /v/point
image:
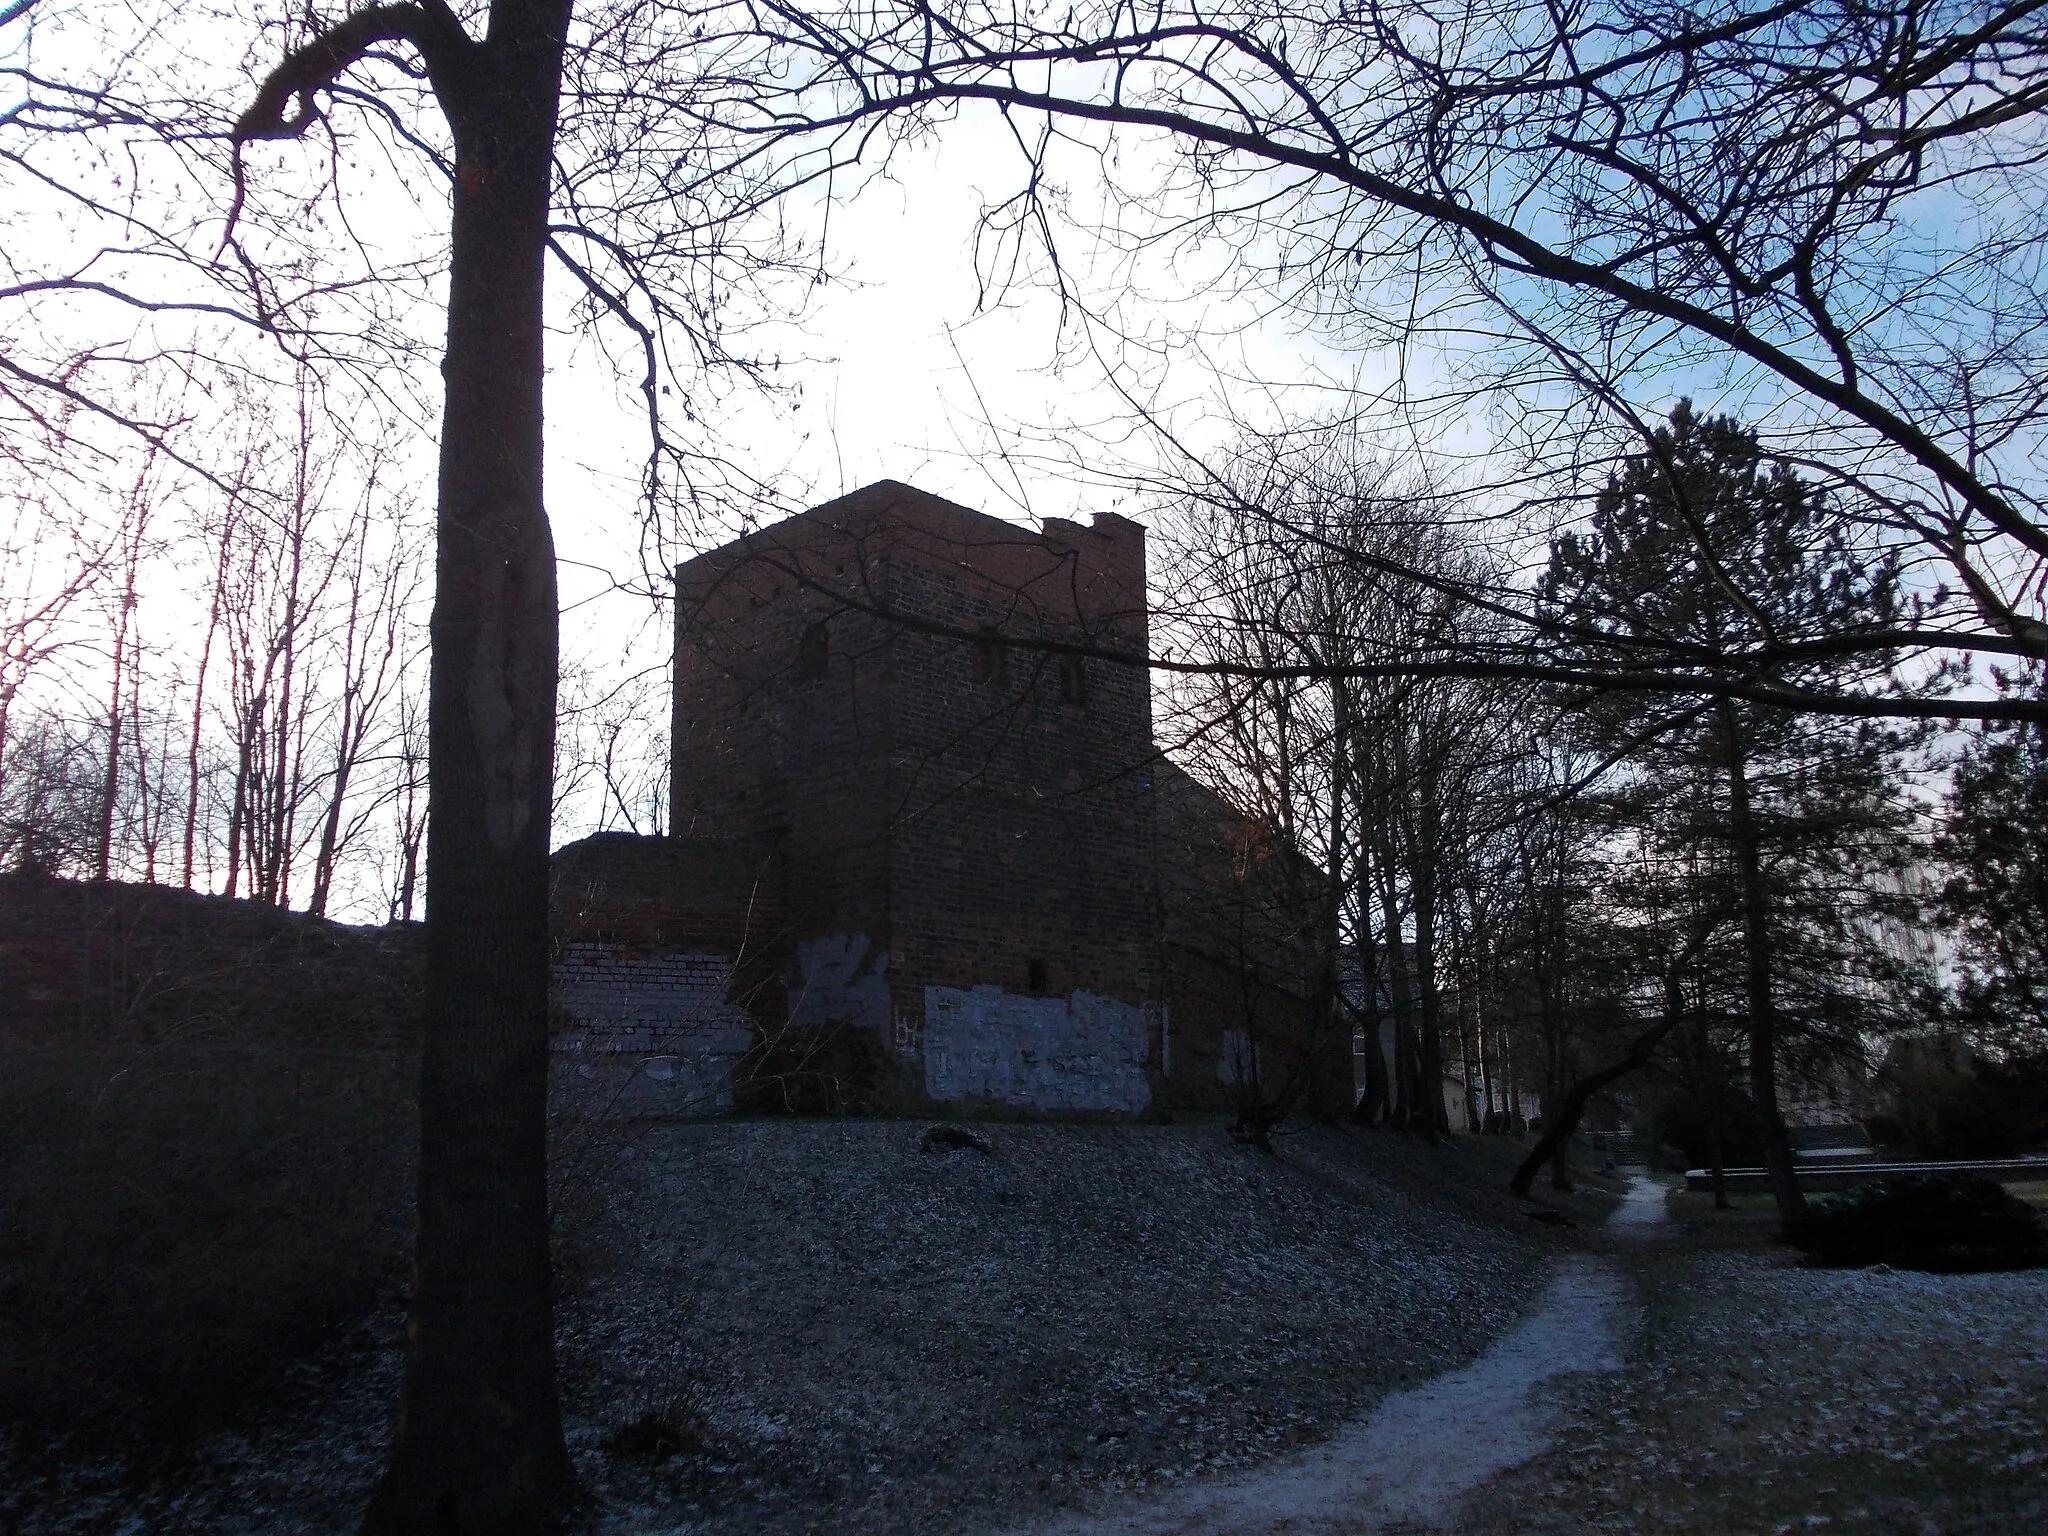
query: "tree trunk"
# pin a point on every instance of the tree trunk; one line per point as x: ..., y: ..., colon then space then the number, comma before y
x: 1707, y: 1074
x: 148, y: 799
x: 1429, y: 1063
x: 220, y: 580
x: 1332, y: 1022
x: 110, y: 777
x: 1372, y: 1105
x: 479, y: 1445
x: 236, y: 806
x: 348, y: 748
x: 283, y: 778
x: 1717, y: 1168
x: 1756, y: 943
x: 1401, y: 1106
x: 1558, y: 1127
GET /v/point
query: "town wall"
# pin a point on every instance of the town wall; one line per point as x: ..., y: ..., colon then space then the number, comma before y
x: 663, y: 958
x: 938, y: 727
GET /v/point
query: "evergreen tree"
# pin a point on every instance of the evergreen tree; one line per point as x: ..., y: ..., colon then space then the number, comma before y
x: 1994, y: 838
x: 1706, y: 559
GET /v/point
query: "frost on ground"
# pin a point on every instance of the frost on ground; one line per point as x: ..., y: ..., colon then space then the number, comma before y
x: 878, y: 1338
x: 1765, y: 1397
x: 1409, y: 1465
x: 1412, y: 1462
x: 813, y: 1325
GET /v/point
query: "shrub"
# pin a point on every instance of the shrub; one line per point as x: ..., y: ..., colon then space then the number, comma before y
x: 1949, y: 1102
x: 830, y: 1069
x: 1681, y: 1121
x: 1946, y: 1223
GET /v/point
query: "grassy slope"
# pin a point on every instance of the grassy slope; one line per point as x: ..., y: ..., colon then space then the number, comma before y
x: 205, y: 1130
x: 848, y: 1332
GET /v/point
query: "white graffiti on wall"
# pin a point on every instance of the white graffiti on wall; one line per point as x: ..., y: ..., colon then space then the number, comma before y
x: 1079, y: 1052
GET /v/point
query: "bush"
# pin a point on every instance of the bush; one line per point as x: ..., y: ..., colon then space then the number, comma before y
x: 1681, y: 1121
x: 1945, y: 1223
x: 1950, y: 1103
x: 830, y: 1069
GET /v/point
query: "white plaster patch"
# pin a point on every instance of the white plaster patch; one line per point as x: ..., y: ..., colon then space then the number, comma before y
x: 841, y: 980
x: 1080, y: 1052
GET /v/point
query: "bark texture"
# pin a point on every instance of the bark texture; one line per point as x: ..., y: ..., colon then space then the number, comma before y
x: 478, y: 1447
x: 1763, y: 1017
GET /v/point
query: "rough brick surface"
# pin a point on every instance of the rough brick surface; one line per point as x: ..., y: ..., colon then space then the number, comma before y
x: 645, y: 1033
x: 662, y: 946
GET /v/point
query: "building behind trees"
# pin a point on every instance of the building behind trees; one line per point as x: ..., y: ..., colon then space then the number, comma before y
x: 914, y: 769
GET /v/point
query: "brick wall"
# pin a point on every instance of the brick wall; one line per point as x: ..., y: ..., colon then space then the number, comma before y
x: 664, y: 952
x: 645, y: 1033
x: 1243, y: 917
x: 939, y: 722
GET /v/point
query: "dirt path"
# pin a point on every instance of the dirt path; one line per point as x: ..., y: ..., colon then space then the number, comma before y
x: 1408, y: 1466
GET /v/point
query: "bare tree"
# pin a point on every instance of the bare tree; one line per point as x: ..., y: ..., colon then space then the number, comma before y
x: 123, y: 655
x: 409, y: 805
x: 46, y: 571
x: 1580, y: 205
x: 1305, y: 575
x: 603, y: 185
x: 375, y: 643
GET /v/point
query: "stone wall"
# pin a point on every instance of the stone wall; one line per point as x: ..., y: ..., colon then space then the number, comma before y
x: 645, y: 1034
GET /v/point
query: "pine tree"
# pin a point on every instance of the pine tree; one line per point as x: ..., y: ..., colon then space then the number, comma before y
x: 1704, y: 558
x: 1994, y: 838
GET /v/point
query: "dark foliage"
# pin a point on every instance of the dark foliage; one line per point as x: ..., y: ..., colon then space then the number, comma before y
x: 1944, y: 1223
x: 828, y: 1069
x: 1685, y: 1121
x: 676, y: 1427
x: 1772, y: 839
x: 1994, y: 838
x: 1958, y: 1105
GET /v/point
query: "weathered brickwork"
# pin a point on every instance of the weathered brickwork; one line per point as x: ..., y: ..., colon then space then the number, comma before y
x: 932, y: 714
x: 646, y: 1033
x: 665, y: 951
x: 916, y: 743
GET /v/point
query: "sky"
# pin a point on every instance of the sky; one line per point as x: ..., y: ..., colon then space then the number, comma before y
x: 901, y: 366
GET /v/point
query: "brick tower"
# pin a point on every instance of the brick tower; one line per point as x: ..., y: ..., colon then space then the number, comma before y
x: 923, y: 711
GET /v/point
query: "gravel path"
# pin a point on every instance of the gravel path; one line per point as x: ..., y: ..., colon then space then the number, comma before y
x: 1763, y: 1397
x: 1411, y: 1464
